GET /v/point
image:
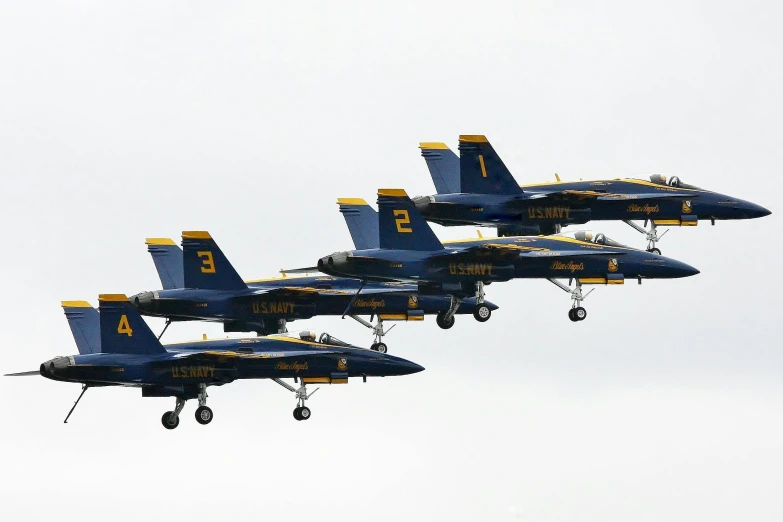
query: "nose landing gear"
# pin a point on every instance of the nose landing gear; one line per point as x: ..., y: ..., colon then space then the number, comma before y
x: 378, y: 332
x: 651, y: 235
x: 301, y: 412
x: 577, y: 312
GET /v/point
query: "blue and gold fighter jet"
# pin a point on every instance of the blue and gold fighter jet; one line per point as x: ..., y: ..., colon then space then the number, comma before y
x: 410, y: 252
x: 476, y: 188
x: 199, y: 283
x: 117, y: 348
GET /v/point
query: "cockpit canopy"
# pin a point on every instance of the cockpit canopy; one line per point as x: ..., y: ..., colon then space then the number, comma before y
x: 324, y: 338
x: 592, y: 237
x: 673, y: 181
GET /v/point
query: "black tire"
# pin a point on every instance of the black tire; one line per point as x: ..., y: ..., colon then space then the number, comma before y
x: 482, y: 313
x: 656, y: 251
x: 580, y: 313
x: 166, y: 420
x: 296, y: 413
x: 203, y: 415
x: 374, y: 346
x: 441, y: 320
x: 304, y: 413
x: 571, y: 315
x: 381, y: 347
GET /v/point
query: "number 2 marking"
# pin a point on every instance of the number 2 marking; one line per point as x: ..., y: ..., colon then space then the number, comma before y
x: 208, y: 261
x: 402, y: 219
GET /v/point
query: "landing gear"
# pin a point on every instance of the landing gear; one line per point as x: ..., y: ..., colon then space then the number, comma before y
x: 378, y: 345
x: 651, y: 235
x: 443, y: 321
x: 577, y: 312
x: 203, y: 412
x: 482, y: 311
x: 170, y: 419
x: 301, y: 412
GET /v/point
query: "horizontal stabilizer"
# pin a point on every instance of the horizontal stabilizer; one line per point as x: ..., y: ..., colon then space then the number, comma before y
x: 443, y: 165
x: 23, y: 374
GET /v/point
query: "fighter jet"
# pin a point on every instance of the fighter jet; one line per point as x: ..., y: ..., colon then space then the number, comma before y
x: 199, y: 283
x: 410, y: 252
x: 117, y: 348
x: 476, y: 188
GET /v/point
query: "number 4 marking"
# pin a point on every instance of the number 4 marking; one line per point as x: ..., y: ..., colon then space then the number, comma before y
x: 124, y: 326
x: 402, y: 219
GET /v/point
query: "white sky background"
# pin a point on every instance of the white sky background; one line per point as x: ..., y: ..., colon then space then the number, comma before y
x: 250, y: 119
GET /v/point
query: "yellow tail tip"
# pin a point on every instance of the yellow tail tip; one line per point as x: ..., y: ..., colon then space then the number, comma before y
x: 393, y: 192
x: 351, y: 201
x: 196, y: 234
x: 433, y: 145
x: 75, y: 304
x: 159, y: 241
x: 112, y: 297
x: 473, y: 138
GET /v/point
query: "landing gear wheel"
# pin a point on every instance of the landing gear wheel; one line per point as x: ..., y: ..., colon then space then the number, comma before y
x: 656, y: 251
x: 296, y: 413
x: 203, y: 415
x: 571, y: 315
x: 580, y: 314
x: 442, y: 322
x: 304, y: 413
x: 381, y: 347
x: 374, y: 346
x: 166, y: 420
x: 482, y: 313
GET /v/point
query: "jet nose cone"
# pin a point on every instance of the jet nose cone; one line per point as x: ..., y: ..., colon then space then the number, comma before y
x: 676, y: 268
x: 411, y: 367
x: 756, y: 211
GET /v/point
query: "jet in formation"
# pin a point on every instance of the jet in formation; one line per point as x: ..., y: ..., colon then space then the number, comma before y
x: 117, y: 348
x: 409, y: 251
x: 199, y: 283
x: 476, y: 188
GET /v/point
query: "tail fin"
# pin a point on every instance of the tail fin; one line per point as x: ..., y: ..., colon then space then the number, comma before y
x: 85, y: 323
x: 400, y: 225
x: 122, y: 328
x: 167, y: 256
x: 481, y: 169
x: 443, y: 165
x: 362, y: 221
x: 205, y: 266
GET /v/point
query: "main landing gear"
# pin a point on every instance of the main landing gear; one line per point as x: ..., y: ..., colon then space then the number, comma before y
x: 482, y: 312
x: 378, y: 345
x: 651, y: 235
x: 445, y: 319
x: 170, y: 419
x: 301, y: 412
x: 577, y: 312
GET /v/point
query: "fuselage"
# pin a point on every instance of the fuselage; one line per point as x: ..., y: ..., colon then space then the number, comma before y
x: 265, y: 302
x: 461, y: 262
x: 633, y: 199
x: 184, y: 366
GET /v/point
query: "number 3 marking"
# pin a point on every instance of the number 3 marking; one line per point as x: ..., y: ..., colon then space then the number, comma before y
x: 208, y: 262
x: 402, y: 219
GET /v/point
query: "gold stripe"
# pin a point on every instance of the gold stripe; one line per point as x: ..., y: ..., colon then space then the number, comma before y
x: 76, y: 304
x: 316, y: 380
x: 160, y: 241
x: 351, y: 201
x: 473, y: 138
x: 394, y: 317
x: 196, y: 234
x: 667, y: 221
x: 340, y: 381
x: 593, y: 280
x: 615, y: 281
x: 392, y: 192
x: 433, y: 145
x: 689, y: 223
x: 415, y: 318
x: 113, y: 297
x: 483, y: 168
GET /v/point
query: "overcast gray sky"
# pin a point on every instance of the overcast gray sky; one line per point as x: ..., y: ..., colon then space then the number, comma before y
x: 249, y: 119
